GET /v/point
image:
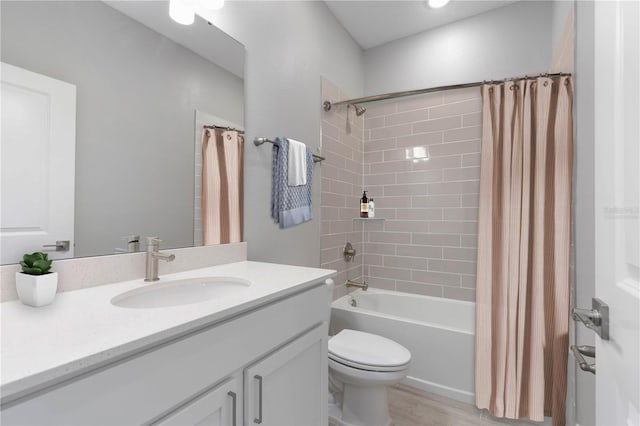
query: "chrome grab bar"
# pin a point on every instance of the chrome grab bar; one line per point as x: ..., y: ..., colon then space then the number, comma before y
x: 589, y: 351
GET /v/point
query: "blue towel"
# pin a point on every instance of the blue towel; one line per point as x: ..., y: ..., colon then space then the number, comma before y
x: 290, y: 205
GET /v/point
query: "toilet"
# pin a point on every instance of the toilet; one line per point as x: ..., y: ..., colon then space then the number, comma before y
x: 361, y: 367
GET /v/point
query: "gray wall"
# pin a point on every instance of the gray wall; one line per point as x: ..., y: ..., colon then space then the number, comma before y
x: 506, y: 42
x: 290, y: 45
x: 584, y: 201
x: 136, y: 96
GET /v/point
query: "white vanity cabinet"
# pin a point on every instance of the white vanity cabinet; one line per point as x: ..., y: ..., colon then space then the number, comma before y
x: 289, y: 386
x: 219, y: 406
x: 201, y: 375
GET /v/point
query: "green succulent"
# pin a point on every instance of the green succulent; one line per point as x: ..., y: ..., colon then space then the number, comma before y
x: 37, y: 263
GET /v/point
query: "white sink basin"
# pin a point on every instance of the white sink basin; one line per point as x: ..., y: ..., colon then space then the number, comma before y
x: 181, y: 292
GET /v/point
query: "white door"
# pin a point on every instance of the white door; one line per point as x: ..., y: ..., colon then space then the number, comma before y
x: 38, y: 164
x: 289, y: 387
x: 221, y: 406
x: 617, y: 190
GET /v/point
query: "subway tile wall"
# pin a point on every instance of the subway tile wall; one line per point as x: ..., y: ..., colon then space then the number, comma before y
x: 428, y: 241
x: 342, y: 134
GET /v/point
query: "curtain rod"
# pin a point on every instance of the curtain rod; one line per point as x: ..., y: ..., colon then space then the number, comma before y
x: 213, y: 127
x: 327, y: 104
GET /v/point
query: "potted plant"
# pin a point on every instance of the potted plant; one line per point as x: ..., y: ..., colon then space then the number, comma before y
x: 36, y: 285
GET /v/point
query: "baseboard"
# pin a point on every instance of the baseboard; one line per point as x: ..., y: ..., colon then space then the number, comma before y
x: 453, y: 393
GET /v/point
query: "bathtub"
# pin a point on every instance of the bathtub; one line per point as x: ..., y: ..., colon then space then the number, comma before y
x: 439, y: 333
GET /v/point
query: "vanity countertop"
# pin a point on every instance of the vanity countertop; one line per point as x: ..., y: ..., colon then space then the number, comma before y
x: 81, y: 330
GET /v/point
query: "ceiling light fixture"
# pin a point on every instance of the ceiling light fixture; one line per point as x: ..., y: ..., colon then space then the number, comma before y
x: 435, y: 4
x: 212, y: 4
x: 181, y: 12
x: 184, y: 11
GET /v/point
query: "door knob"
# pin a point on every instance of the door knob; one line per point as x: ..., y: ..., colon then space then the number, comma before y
x: 596, y: 318
x: 59, y: 245
x: 578, y: 351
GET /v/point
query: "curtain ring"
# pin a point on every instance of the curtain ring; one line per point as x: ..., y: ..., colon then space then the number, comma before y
x: 511, y: 87
x: 546, y: 83
x: 566, y: 82
x: 490, y: 89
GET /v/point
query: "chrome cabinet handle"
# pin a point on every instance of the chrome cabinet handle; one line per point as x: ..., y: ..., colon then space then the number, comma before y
x: 59, y: 245
x: 258, y: 419
x: 233, y: 407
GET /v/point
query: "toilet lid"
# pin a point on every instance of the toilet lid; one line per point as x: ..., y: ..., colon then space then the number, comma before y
x: 366, y: 350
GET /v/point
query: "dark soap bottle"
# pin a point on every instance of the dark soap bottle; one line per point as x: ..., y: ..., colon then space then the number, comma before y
x: 364, y: 205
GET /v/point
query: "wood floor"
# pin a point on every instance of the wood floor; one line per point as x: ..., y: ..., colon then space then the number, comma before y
x: 412, y: 407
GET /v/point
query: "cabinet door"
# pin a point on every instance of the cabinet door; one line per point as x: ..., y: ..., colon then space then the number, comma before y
x: 219, y: 406
x: 289, y: 386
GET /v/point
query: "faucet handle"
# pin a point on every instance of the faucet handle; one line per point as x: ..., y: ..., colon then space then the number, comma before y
x: 153, y: 241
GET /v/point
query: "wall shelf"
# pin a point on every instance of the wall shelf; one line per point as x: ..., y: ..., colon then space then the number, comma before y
x: 364, y: 219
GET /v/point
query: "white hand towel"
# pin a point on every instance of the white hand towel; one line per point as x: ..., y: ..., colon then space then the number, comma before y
x: 297, y: 173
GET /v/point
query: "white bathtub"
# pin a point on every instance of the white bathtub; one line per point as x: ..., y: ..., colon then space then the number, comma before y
x: 439, y: 333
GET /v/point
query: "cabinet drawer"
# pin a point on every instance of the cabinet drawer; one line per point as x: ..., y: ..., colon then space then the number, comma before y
x: 147, y: 386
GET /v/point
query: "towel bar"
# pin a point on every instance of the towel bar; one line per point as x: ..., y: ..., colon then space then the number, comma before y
x: 260, y: 141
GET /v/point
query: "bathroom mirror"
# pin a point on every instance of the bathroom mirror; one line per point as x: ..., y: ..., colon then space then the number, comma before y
x: 144, y: 87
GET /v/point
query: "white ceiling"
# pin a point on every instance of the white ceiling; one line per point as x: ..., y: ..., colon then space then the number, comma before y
x: 372, y: 23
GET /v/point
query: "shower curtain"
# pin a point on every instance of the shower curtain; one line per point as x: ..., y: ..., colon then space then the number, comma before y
x: 222, y: 186
x: 522, y: 294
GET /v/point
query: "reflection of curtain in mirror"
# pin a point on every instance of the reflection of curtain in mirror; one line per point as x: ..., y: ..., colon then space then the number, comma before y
x: 222, y: 186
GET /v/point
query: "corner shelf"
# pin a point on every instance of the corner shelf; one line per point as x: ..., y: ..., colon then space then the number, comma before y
x: 364, y: 219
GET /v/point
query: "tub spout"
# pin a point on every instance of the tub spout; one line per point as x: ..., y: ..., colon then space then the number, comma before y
x: 363, y: 285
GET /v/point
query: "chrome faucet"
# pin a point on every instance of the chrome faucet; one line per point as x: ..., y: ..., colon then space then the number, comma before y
x: 363, y: 285
x: 153, y: 255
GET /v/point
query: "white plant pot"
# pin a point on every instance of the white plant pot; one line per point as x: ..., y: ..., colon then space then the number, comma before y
x: 36, y: 290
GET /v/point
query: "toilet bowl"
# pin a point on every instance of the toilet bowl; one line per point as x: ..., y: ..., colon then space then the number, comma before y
x: 361, y: 367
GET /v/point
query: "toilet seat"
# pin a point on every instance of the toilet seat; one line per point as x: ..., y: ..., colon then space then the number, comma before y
x: 369, y: 352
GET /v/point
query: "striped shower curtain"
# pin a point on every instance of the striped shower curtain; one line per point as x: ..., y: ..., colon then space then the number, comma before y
x: 522, y: 290
x: 222, y: 186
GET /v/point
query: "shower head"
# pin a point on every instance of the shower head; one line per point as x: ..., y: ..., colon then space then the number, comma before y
x: 359, y: 109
